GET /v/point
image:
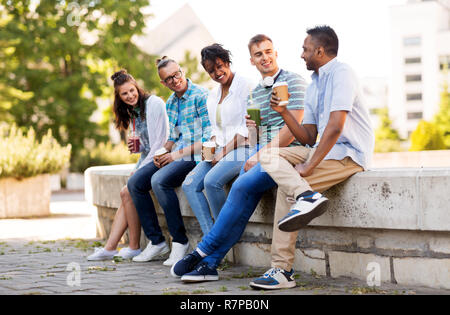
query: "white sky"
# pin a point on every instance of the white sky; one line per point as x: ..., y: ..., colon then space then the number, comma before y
x: 362, y: 26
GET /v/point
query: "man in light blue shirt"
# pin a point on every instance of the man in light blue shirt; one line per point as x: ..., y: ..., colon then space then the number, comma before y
x: 335, y: 88
x: 339, y: 142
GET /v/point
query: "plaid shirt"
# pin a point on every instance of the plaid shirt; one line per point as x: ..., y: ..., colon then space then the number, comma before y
x: 194, y: 123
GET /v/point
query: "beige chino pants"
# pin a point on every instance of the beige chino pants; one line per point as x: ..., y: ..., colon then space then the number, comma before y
x: 279, y: 163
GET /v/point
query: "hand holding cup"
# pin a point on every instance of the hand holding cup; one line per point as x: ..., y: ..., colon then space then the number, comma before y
x: 280, y: 97
x: 158, y: 154
x: 208, y: 151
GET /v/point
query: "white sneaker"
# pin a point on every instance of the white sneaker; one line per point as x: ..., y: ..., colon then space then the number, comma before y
x: 102, y: 254
x: 128, y: 253
x: 178, y: 252
x: 152, y: 252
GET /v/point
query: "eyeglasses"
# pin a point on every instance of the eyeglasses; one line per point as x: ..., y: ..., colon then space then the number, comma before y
x: 169, y: 79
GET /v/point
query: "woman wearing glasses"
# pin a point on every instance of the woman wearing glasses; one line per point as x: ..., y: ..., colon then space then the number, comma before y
x: 227, y: 107
x: 133, y: 108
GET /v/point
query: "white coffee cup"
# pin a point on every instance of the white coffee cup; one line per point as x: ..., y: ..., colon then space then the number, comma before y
x: 160, y: 152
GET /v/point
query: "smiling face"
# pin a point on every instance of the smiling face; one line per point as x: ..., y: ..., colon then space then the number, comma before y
x: 264, y: 57
x: 173, y: 78
x: 128, y: 93
x: 219, y: 71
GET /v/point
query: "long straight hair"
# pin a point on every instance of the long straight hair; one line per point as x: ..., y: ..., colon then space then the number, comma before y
x: 122, y: 111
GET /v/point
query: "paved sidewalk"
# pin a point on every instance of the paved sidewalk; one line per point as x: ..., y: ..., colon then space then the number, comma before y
x: 70, y: 217
x: 48, y: 256
x: 60, y: 267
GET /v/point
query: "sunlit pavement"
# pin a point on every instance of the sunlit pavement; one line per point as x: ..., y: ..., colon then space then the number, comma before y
x: 71, y: 217
x: 48, y: 256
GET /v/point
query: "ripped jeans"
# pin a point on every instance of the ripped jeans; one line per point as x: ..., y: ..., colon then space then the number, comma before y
x: 212, y: 180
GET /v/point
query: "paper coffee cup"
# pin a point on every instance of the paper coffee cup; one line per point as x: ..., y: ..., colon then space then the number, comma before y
x: 209, y: 150
x: 282, y: 92
x: 160, y: 152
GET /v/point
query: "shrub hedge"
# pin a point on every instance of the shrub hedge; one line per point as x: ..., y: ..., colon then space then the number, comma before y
x: 102, y: 154
x: 22, y: 155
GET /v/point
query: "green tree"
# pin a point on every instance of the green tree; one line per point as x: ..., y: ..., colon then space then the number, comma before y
x: 191, y: 65
x: 442, y: 117
x: 56, y: 58
x: 427, y: 136
x: 387, y: 139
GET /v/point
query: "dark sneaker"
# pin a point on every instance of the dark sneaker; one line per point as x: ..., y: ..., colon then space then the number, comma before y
x: 309, y: 205
x: 274, y: 278
x: 185, y: 265
x: 202, y: 272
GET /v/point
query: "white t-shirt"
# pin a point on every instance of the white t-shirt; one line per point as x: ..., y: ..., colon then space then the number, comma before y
x: 233, y: 110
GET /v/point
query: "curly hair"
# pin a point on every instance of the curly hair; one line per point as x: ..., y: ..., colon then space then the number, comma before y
x: 214, y: 51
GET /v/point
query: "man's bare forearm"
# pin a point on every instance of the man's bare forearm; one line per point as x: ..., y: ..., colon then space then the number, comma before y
x: 328, y: 140
x: 298, y: 131
x: 169, y: 145
x: 195, y: 148
x: 329, y: 137
x: 237, y: 141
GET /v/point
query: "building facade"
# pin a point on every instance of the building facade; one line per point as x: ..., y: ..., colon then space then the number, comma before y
x: 420, y: 52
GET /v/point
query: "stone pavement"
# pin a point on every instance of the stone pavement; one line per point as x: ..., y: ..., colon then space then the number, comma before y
x: 60, y: 267
x: 48, y: 256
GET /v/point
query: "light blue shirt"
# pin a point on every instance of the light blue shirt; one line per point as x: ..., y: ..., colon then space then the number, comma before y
x: 336, y: 88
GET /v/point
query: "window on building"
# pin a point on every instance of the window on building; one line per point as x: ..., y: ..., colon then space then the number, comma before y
x: 413, y: 78
x: 415, y: 115
x: 414, y: 97
x: 412, y: 41
x: 413, y: 60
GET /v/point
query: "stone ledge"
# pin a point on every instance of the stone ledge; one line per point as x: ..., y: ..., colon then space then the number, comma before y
x: 397, y: 199
x: 396, y: 218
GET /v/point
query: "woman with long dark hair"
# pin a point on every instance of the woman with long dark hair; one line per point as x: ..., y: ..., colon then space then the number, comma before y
x: 146, y: 114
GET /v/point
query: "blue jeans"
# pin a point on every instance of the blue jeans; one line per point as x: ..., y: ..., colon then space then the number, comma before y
x: 163, y: 182
x: 242, y: 200
x: 212, y: 180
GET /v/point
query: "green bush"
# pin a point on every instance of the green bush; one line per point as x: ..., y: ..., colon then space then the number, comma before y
x: 22, y: 155
x: 427, y: 136
x: 102, y: 154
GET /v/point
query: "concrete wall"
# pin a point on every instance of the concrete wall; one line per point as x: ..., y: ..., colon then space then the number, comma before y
x: 397, y: 220
x: 29, y: 197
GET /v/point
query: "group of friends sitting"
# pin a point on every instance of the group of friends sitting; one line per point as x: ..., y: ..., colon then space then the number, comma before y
x: 321, y: 137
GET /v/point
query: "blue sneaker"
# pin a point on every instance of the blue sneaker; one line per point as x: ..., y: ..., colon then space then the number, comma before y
x: 274, y: 278
x: 185, y: 265
x: 202, y: 272
x: 309, y: 205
